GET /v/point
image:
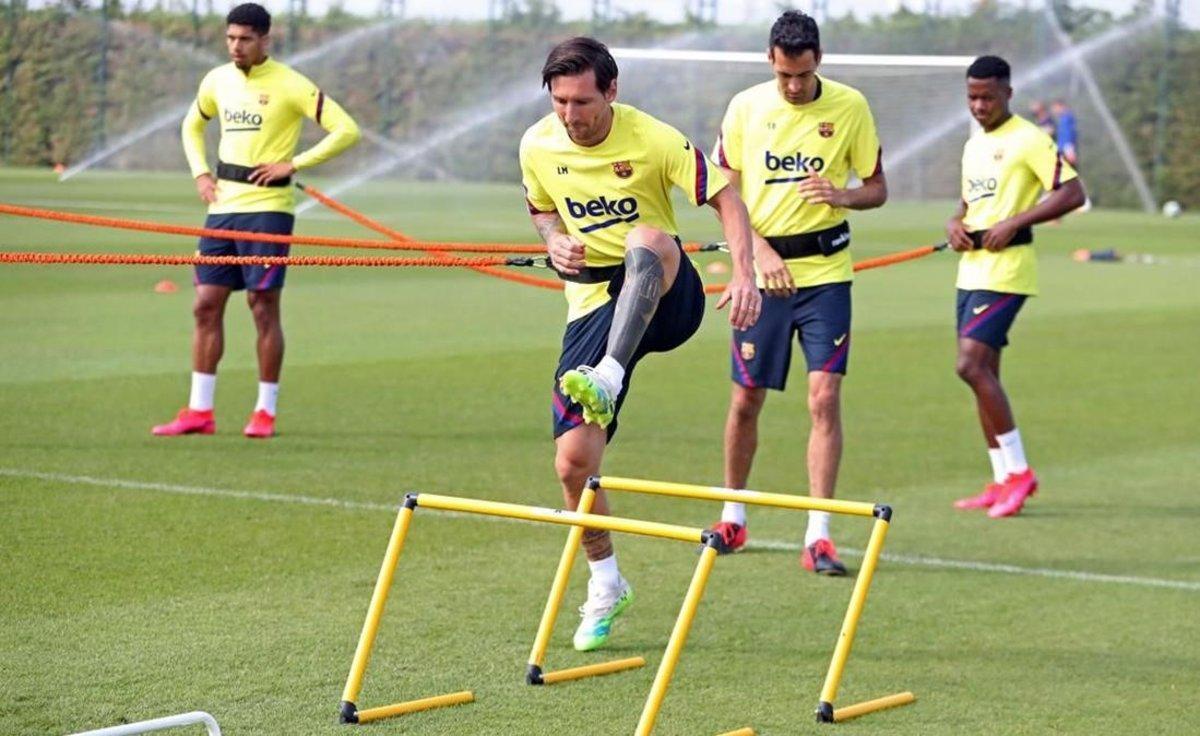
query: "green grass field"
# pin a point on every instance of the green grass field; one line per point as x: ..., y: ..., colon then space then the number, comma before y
x: 146, y: 576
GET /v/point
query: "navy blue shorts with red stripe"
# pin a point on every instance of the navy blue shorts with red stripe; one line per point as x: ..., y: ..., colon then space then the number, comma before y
x: 987, y: 316
x: 819, y: 315
x: 586, y: 340
x: 254, y: 278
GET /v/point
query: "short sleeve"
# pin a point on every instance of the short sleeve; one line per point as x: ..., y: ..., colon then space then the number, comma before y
x: 1043, y: 159
x: 536, y: 197
x: 687, y: 167
x: 728, y: 151
x: 866, y: 154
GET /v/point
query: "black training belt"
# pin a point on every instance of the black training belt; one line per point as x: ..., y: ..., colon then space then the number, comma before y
x: 233, y: 172
x: 819, y: 243
x: 1023, y: 236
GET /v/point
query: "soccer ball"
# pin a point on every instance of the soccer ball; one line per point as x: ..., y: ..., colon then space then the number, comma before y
x: 1172, y: 209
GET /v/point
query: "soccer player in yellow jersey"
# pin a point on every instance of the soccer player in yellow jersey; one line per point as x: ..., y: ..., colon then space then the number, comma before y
x: 791, y: 145
x: 597, y: 179
x: 1006, y: 167
x: 261, y: 106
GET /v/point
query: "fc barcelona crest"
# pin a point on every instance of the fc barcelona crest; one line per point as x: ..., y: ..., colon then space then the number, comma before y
x: 998, y: 155
x: 825, y: 129
x: 748, y: 351
x: 622, y: 169
x: 264, y: 99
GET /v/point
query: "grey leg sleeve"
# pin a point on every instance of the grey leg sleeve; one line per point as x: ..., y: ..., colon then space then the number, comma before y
x: 636, y: 303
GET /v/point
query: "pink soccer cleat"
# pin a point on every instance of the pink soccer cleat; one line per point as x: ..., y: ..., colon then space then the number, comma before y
x: 732, y: 537
x: 821, y: 557
x: 992, y: 493
x: 1017, y: 488
x: 188, y: 421
x: 261, y: 425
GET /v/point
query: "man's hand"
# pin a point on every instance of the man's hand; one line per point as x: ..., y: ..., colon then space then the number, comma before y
x: 816, y: 189
x: 566, y: 253
x: 206, y: 186
x: 957, y: 236
x: 264, y: 174
x: 745, y: 302
x: 999, y: 235
x: 777, y: 277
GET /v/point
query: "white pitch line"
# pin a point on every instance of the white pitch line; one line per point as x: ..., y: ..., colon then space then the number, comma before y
x: 902, y: 559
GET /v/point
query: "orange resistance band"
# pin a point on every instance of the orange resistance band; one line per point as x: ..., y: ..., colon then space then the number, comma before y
x: 199, y: 232
x: 144, y: 259
x: 905, y: 255
x: 398, y: 236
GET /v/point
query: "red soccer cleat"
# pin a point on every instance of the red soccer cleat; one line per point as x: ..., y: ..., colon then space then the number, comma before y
x: 187, y: 421
x: 1017, y: 488
x: 821, y: 557
x: 261, y: 425
x: 732, y: 536
x: 992, y: 494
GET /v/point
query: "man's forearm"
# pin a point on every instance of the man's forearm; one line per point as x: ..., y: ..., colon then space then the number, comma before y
x: 1068, y: 197
x: 548, y: 224
x: 735, y: 223
x: 872, y: 194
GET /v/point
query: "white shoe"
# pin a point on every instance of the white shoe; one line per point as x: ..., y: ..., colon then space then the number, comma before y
x: 601, y: 609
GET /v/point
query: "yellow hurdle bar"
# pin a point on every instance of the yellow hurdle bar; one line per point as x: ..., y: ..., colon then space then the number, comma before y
x: 592, y: 670
x: 348, y: 709
x: 871, y: 706
x: 713, y: 493
x: 415, y: 706
x: 858, y: 599
x: 366, y: 640
x: 740, y: 732
x: 558, y: 516
x: 679, y: 635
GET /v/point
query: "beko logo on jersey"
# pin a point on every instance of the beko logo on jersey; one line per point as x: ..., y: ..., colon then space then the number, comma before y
x: 617, y: 211
x: 251, y: 120
x: 978, y: 189
x: 798, y: 162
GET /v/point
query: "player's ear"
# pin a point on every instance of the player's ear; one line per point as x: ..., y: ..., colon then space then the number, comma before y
x: 817, y: 56
x: 611, y: 93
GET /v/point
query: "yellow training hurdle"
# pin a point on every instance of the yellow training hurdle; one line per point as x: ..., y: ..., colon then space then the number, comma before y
x: 882, y: 514
x: 578, y: 520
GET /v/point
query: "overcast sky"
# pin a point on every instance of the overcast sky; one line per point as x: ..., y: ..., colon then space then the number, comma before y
x: 730, y: 11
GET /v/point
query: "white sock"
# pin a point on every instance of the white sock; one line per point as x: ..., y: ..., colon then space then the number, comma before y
x: 204, y: 385
x: 1014, y: 451
x: 818, y: 527
x: 605, y: 571
x: 612, y: 372
x: 999, y: 470
x: 734, y: 512
x: 268, y: 394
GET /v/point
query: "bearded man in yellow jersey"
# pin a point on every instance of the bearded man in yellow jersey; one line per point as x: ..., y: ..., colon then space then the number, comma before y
x: 598, y: 180
x: 261, y: 105
x: 1006, y: 167
x: 790, y: 145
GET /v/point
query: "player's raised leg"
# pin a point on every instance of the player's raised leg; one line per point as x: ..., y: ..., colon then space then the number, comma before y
x: 651, y: 263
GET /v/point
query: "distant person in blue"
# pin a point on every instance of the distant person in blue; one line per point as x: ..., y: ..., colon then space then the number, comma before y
x: 1065, y: 133
x: 1042, y: 118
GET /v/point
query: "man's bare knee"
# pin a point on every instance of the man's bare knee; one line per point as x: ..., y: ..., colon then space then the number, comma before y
x: 824, y: 400
x: 747, y: 403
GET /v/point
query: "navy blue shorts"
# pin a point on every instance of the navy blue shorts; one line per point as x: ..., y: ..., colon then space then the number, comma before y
x: 586, y: 339
x: 986, y: 316
x: 254, y: 278
x: 819, y: 315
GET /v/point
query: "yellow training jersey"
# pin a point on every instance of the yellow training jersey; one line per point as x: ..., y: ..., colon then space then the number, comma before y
x: 775, y: 144
x: 603, y: 191
x: 261, y: 113
x: 1004, y: 173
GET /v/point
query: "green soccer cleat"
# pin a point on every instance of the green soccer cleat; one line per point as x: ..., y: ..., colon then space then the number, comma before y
x: 587, y: 389
x: 601, y: 609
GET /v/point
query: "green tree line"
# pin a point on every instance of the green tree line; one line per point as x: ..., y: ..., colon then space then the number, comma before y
x: 76, y: 77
